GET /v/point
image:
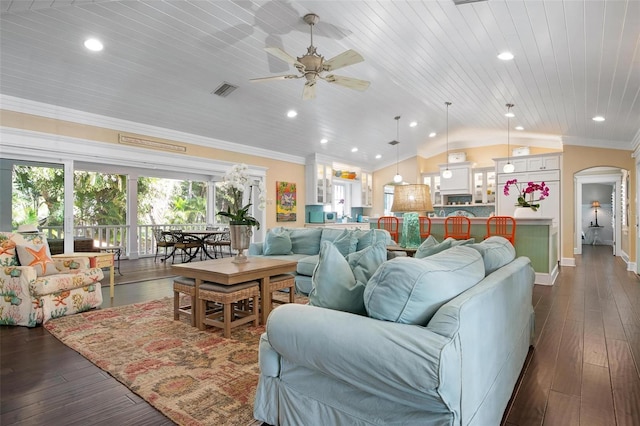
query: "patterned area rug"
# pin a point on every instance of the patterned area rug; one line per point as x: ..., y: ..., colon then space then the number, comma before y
x: 193, y: 377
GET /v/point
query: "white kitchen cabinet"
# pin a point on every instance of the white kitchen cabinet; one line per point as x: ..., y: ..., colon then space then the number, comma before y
x: 433, y: 180
x: 484, y: 185
x: 539, y: 168
x: 366, y: 189
x: 319, y: 185
x: 460, y: 181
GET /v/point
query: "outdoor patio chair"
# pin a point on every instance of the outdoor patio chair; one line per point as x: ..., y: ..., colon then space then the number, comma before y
x: 167, y: 241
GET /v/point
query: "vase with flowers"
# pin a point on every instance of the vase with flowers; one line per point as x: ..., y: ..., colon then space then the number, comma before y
x: 527, y: 194
x: 241, y: 222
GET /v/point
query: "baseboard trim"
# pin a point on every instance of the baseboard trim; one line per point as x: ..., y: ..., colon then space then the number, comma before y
x: 547, y: 279
x: 568, y: 261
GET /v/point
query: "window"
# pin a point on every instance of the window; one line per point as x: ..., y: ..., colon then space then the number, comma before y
x: 388, y: 199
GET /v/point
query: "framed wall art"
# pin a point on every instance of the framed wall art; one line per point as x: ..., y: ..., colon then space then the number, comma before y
x: 286, y: 202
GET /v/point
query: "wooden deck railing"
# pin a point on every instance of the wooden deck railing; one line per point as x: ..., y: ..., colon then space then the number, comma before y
x: 117, y: 235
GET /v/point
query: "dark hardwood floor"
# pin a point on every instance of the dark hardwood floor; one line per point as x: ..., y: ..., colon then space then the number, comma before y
x: 583, y: 370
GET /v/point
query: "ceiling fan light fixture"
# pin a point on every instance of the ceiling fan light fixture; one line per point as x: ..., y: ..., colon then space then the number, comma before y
x: 447, y: 174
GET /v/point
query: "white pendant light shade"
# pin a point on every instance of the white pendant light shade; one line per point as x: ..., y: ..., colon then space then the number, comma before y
x: 509, y: 168
x: 397, y: 178
x: 447, y: 173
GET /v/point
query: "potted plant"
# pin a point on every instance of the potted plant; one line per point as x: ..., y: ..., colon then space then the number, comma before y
x: 235, y: 181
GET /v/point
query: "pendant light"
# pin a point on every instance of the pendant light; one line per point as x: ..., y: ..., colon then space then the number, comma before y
x: 447, y: 173
x: 397, y: 178
x: 509, y: 168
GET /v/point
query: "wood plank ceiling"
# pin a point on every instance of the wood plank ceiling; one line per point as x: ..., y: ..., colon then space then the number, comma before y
x: 162, y: 59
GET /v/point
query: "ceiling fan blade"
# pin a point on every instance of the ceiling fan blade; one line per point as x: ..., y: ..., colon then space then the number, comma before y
x: 275, y: 77
x: 351, y: 83
x: 344, y: 59
x: 281, y: 54
x: 309, y: 91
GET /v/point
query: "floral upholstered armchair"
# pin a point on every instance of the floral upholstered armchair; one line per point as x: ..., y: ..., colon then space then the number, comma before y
x: 35, y: 288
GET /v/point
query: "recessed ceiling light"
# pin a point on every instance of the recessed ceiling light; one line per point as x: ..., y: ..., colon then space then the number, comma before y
x: 93, y: 44
x: 413, y: 124
x: 505, y: 56
x: 379, y: 156
x: 510, y: 115
x: 519, y: 128
x: 354, y: 149
x: 598, y: 118
x: 291, y: 113
x: 323, y: 140
x: 432, y: 134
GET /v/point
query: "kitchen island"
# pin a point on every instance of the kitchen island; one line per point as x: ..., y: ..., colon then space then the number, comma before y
x: 536, y: 238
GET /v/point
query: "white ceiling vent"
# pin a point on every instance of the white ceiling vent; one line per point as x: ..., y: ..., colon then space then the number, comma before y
x: 224, y: 89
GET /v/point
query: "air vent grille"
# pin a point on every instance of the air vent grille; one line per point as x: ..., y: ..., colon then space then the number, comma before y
x: 224, y: 89
x: 459, y: 2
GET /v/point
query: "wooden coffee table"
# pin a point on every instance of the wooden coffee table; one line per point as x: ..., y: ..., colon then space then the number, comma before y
x: 224, y: 271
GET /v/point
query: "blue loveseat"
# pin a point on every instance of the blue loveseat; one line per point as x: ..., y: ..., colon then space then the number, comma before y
x: 304, y: 244
x: 421, y: 355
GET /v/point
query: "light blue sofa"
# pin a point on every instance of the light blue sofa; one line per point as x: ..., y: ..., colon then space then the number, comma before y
x: 320, y: 366
x: 305, y: 247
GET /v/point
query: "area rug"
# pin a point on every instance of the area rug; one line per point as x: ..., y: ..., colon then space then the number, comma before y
x: 193, y: 377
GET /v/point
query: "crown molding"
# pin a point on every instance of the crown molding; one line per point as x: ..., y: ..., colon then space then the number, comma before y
x: 12, y: 103
x: 597, y: 143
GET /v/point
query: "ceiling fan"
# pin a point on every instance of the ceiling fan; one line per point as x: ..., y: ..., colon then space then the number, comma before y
x: 312, y: 66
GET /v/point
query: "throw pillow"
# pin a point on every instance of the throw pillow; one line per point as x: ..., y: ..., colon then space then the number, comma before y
x: 365, y: 263
x: 333, y: 283
x: 496, y: 252
x: 427, y: 247
x: 365, y: 238
x: 277, y: 242
x: 8, y: 255
x: 37, y: 256
x: 346, y: 242
x: 305, y: 240
x: 410, y: 291
x: 338, y: 282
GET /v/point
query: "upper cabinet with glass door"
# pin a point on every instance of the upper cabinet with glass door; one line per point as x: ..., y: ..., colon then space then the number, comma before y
x: 433, y: 180
x: 319, y: 183
x: 484, y: 185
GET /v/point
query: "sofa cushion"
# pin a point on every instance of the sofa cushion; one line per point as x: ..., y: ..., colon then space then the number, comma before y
x: 496, y: 252
x: 338, y: 283
x: 346, y: 243
x: 307, y: 264
x: 277, y: 242
x: 305, y: 240
x: 430, y: 246
x: 37, y: 255
x: 333, y: 283
x: 367, y: 238
x: 410, y: 291
x: 365, y: 263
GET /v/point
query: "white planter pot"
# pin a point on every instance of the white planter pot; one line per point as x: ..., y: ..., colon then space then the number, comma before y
x: 524, y: 212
